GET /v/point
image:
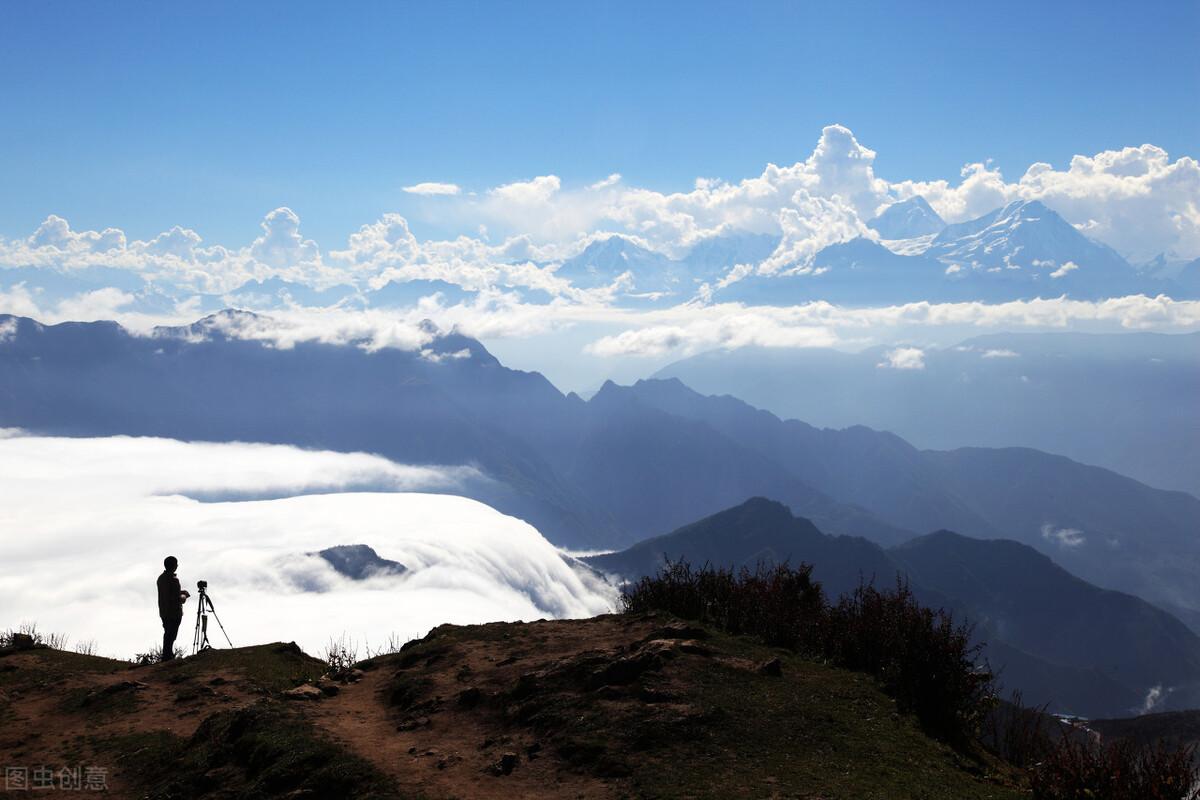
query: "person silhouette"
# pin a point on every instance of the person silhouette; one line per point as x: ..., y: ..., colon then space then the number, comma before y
x: 171, y: 598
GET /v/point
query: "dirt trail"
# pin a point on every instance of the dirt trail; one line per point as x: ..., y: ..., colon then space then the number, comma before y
x: 454, y: 751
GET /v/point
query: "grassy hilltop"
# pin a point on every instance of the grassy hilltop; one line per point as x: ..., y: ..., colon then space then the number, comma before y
x: 637, y: 705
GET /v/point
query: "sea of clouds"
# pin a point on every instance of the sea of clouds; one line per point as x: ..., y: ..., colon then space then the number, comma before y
x: 87, y: 522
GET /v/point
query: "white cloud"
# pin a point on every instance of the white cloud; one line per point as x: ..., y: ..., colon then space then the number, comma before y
x: 811, y: 226
x: 433, y: 188
x: 1070, y: 538
x: 1068, y: 266
x: 127, y: 503
x: 1136, y: 199
x: 532, y: 193
x: 611, y: 180
x: 999, y: 353
x: 903, y: 358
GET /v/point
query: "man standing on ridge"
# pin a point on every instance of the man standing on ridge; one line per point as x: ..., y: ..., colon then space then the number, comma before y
x: 171, y: 598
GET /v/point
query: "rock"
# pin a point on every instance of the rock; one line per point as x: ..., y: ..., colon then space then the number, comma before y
x: 507, y: 763
x: 469, y: 698
x: 355, y: 675
x: 415, y: 723
x: 328, y: 688
x: 123, y: 686
x: 678, y: 630
x: 531, y: 751
x: 774, y: 668
x: 625, y: 670
x: 305, y: 692
x: 648, y: 695
x: 22, y: 641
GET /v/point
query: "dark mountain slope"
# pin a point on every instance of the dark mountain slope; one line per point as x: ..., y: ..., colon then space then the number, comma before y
x: 757, y: 531
x: 1061, y: 640
x: 1025, y: 599
x: 1106, y: 528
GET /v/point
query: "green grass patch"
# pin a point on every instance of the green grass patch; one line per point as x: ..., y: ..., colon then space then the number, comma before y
x: 273, y: 667
x: 264, y: 751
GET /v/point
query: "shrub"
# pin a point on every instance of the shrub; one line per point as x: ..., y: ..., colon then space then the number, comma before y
x: 779, y: 604
x: 1119, y: 770
x: 920, y: 656
x: 1022, y: 736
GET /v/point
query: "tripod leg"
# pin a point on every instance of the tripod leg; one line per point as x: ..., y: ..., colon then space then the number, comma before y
x: 219, y: 625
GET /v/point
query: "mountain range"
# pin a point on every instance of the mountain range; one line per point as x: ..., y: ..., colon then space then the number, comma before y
x: 1022, y: 250
x: 628, y: 464
x: 1121, y: 401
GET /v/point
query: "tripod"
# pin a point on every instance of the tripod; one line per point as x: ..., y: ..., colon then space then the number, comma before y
x: 204, y: 607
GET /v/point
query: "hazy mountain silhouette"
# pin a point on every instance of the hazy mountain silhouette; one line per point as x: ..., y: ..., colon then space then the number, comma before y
x: 1121, y: 401
x: 1107, y: 528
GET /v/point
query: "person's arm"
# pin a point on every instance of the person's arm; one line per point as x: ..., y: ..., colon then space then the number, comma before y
x: 183, y: 593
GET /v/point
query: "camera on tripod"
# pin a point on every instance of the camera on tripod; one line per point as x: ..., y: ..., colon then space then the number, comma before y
x: 204, y: 607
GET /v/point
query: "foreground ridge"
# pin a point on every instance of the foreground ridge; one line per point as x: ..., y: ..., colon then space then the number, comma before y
x: 620, y: 705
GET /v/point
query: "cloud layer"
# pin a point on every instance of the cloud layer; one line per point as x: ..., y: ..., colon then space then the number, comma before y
x: 1138, y: 200
x: 125, y: 503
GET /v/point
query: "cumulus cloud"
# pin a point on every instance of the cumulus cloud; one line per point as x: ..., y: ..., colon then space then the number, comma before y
x: 1136, y: 199
x: 903, y: 358
x: 1070, y: 538
x: 128, y: 502
x: 433, y: 188
x: 999, y: 353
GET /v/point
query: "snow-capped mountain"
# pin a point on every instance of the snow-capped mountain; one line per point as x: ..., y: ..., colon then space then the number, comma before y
x: 605, y: 260
x: 1021, y: 251
x: 908, y: 219
x: 711, y: 258
x: 1027, y: 238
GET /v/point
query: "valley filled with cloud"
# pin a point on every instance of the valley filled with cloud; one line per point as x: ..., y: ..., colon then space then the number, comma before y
x: 100, y: 514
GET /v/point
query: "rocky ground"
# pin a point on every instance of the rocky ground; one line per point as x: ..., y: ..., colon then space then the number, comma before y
x: 615, y: 706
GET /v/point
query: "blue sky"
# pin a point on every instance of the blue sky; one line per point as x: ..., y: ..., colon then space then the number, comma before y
x: 144, y: 117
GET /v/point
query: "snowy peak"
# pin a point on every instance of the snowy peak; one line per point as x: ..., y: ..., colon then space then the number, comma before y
x: 604, y: 260
x: 1025, y: 238
x: 908, y: 219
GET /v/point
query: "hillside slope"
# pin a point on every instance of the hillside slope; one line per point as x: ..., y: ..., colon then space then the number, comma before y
x: 1058, y: 639
x: 605, y: 707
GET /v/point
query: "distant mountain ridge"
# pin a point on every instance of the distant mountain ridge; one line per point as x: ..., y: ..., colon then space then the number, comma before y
x: 630, y: 463
x: 1051, y: 391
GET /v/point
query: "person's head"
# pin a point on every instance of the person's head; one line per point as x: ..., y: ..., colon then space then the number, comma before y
x: 171, y: 563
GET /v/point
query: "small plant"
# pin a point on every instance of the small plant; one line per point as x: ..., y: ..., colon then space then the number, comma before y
x: 341, y: 655
x: 87, y: 648
x: 393, y: 645
x: 28, y: 634
x: 153, y: 656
